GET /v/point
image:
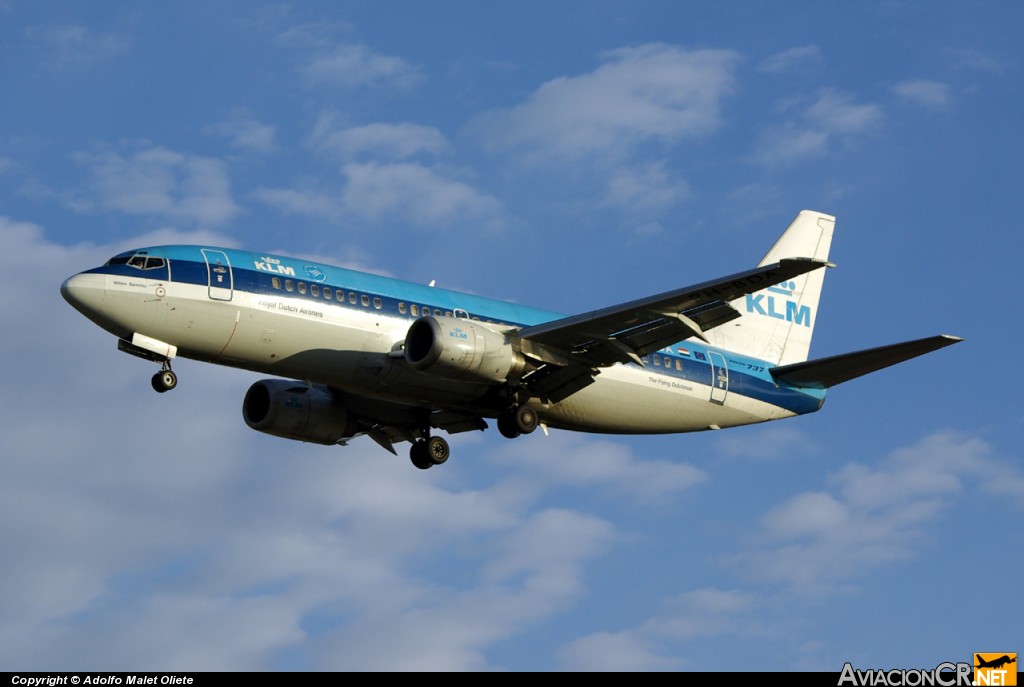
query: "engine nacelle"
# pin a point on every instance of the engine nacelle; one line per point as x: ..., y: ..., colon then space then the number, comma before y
x: 460, y: 349
x: 293, y: 410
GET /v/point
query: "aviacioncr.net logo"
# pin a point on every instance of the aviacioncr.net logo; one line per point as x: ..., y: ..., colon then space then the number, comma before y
x: 943, y: 675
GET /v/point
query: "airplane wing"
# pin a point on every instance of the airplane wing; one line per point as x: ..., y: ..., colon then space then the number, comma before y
x: 623, y: 333
x: 573, y: 349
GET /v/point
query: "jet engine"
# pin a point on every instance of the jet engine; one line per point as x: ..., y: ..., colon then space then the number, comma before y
x: 293, y: 410
x: 460, y: 349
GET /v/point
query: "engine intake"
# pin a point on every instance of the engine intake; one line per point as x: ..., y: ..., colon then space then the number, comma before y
x: 292, y: 410
x: 460, y: 349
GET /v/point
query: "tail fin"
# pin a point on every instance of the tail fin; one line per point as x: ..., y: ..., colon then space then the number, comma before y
x: 777, y: 323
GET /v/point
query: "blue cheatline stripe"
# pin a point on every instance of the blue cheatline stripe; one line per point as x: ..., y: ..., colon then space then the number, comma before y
x: 747, y: 376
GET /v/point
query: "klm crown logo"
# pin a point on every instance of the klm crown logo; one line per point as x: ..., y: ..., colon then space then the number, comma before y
x: 778, y: 302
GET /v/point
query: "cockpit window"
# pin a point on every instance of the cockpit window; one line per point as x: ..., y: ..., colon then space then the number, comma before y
x: 140, y: 261
x: 121, y: 259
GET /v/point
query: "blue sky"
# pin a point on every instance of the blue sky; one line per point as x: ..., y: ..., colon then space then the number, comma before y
x: 565, y: 155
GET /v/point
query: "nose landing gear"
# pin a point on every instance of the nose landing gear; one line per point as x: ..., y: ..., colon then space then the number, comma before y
x: 156, y: 351
x: 165, y: 380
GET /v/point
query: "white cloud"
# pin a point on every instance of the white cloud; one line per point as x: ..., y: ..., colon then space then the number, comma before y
x: 869, y: 516
x: 355, y: 65
x: 301, y: 201
x: 836, y: 113
x: 75, y: 45
x: 830, y: 117
x: 163, y: 183
x: 380, y: 192
x: 975, y: 60
x: 923, y: 92
x: 610, y: 652
x: 246, y: 133
x: 321, y: 34
x: 701, y: 613
x: 387, y: 141
x: 564, y: 458
x: 414, y: 192
x: 761, y: 443
x: 651, y: 92
x: 645, y: 189
x: 792, y: 60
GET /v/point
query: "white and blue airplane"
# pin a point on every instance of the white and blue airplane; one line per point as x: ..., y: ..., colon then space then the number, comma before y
x: 357, y: 353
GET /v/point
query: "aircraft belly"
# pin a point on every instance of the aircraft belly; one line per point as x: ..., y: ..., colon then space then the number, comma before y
x: 627, y: 400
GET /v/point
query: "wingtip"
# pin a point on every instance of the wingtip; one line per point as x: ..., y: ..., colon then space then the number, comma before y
x: 812, y: 261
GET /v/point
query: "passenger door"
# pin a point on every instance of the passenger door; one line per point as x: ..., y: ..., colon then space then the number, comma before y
x: 719, y: 377
x: 220, y: 278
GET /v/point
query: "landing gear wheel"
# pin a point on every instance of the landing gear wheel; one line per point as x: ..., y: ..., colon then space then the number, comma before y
x: 165, y: 380
x: 526, y: 419
x: 419, y: 456
x: 437, y: 450
x: 508, y: 426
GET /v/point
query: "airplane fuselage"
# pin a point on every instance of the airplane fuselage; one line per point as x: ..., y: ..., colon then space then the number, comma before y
x: 345, y: 329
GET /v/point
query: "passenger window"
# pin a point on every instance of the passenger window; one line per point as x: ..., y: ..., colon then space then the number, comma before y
x: 365, y: 300
x: 437, y: 312
x: 288, y: 285
x: 414, y: 310
x: 327, y: 293
x: 401, y: 308
x: 276, y: 282
x: 314, y: 290
x: 302, y: 287
x: 447, y: 313
x: 679, y: 365
x: 377, y: 303
x: 657, y: 360
x: 352, y: 297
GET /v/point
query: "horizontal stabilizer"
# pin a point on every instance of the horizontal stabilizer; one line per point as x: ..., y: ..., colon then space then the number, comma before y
x: 827, y: 372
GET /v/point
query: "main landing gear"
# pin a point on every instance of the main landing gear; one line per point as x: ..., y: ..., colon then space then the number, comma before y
x: 426, y: 453
x: 165, y: 379
x: 517, y: 420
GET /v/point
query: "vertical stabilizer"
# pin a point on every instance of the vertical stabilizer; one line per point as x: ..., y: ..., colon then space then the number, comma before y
x: 777, y: 323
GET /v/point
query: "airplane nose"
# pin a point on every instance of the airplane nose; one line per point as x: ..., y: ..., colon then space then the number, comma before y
x: 84, y: 292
